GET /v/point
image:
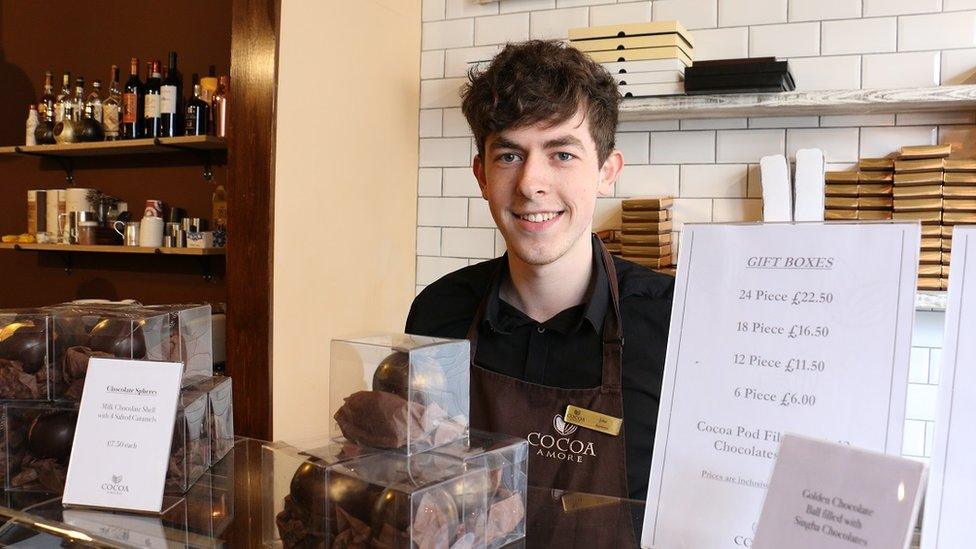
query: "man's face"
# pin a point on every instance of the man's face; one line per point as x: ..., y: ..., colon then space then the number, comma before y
x: 541, y: 183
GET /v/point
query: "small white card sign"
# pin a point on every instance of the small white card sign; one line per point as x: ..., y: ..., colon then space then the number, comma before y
x: 775, y: 327
x: 948, y: 518
x: 122, y: 441
x: 831, y: 496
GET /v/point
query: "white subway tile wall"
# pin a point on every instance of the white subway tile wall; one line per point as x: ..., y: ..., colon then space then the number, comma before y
x: 710, y: 166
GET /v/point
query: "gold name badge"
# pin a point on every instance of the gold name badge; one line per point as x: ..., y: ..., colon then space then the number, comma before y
x: 593, y: 420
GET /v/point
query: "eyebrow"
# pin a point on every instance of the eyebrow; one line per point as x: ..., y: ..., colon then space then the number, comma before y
x: 566, y: 140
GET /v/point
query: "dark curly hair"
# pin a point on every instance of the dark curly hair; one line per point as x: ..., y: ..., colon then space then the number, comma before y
x: 541, y: 81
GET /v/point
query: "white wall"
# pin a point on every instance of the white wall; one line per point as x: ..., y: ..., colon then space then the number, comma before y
x: 711, y: 166
x: 345, y: 199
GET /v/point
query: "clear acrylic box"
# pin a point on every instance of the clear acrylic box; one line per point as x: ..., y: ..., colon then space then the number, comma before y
x: 25, y: 354
x: 37, y: 444
x: 169, y: 333
x: 294, y: 489
x: 399, y: 392
x: 189, y: 455
x: 506, y: 460
x: 220, y: 414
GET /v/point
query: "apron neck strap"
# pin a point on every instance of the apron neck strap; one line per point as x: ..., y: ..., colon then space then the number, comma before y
x: 613, y: 336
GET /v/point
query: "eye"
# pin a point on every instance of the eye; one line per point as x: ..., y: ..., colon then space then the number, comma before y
x: 564, y: 156
x: 508, y: 158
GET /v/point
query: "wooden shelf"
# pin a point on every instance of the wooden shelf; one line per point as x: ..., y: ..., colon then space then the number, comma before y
x: 76, y: 248
x: 201, y: 143
x: 799, y: 103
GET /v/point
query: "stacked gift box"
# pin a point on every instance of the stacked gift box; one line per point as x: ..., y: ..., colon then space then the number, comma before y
x: 400, y: 467
x: 919, y: 175
x: 646, y: 59
x: 611, y: 239
x: 645, y: 234
x: 875, y: 180
x: 840, y: 195
x: 747, y: 75
x: 959, y: 205
x: 44, y: 356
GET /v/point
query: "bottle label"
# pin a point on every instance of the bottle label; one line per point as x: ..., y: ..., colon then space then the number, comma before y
x: 152, y: 106
x: 110, y: 119
x: 190, y: 124
x: 129, y: 105
x: 58, y: 113
x: 97, y: 111
x: 167, y: 104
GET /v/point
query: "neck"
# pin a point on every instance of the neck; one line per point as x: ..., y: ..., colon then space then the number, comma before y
x: 543, y: 291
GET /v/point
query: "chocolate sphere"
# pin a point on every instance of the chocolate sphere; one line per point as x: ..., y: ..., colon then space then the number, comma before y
x: 24, y: 342
x: 50, y: 435
x: 393, y: 376
x: 473, y: 491
x: 311, y: 486
x: 393, y: 508
x: 121, y: 337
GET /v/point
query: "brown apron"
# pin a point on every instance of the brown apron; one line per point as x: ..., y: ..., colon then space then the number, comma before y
x: 561, y: 455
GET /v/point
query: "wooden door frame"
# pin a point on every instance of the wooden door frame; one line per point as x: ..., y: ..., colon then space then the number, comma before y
x: 250, y: 212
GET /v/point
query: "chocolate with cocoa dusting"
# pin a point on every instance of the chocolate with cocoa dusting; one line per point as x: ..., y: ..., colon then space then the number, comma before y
x: 17, y: 384
x: 39, y: 441
x: 379, y: 419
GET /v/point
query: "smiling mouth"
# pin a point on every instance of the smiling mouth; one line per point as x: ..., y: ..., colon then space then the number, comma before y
x: 541, y: 217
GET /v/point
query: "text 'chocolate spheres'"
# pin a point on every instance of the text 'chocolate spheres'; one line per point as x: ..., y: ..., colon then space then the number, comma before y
x: 50, y: 435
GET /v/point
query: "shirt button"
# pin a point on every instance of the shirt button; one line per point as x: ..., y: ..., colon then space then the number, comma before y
x: 541, y: 329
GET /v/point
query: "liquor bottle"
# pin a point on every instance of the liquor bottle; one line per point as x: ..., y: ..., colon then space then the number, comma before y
x: 111, y: 107
x: 94, y: 102
x: 219, y: 200
x: 78, y: 99
x: 197, y: 112
x: 45, y: 105
x: 91, y: 128
x: 44, y: 133
x: 65, y: 130
x: 63, y: 97
x: 32, y: 121
x: 132, y: 103
x: 151, y: 113
x: 208, y: 84
x: 219, y: 106
x: 171, y: 100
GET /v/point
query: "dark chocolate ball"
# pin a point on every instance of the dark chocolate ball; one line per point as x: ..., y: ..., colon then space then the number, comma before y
x: 123, y: 338
x: 392, y: 375
x: 311, y: 487
x: 50, y: 435
x: 25, y: 342
x: 392, y: 508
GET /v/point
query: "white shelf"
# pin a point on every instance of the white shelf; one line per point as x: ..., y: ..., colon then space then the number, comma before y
x: 799, y: 103
x: 930, y: 301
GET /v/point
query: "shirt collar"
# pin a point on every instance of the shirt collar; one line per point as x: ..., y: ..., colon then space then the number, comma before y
x: 597, y: 298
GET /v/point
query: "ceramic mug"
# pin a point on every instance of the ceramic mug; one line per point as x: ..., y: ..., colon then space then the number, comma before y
x: 151, y: 232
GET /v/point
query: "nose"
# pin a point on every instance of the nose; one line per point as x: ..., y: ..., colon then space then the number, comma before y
x: 533, y: 178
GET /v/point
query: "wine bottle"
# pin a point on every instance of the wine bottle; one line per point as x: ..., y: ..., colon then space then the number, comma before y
x: 78, y: 100
x: 171, y: 99
x: 111, y: 107
x: 94, y: 102
x: 151, y: 118
x: 132, y: 103
x: 197, y: 112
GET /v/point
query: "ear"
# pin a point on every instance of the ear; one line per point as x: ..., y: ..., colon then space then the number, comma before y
x: 478, y: 167
x: 609, y: 173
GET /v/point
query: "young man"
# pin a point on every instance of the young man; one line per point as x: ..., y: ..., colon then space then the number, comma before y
x: 556, y: 321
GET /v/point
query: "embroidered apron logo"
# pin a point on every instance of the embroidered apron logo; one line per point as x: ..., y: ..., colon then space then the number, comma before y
x: 562, y: 448
x: 561, y: 427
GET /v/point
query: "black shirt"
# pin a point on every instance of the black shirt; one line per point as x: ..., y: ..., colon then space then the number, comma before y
x: 566, y: 350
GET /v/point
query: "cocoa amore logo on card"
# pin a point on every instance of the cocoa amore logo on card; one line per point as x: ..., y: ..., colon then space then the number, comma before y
x: 562, y: 448
x: 116, y: 486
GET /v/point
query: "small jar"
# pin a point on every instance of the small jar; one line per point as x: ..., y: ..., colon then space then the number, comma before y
x: 86, y: 233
